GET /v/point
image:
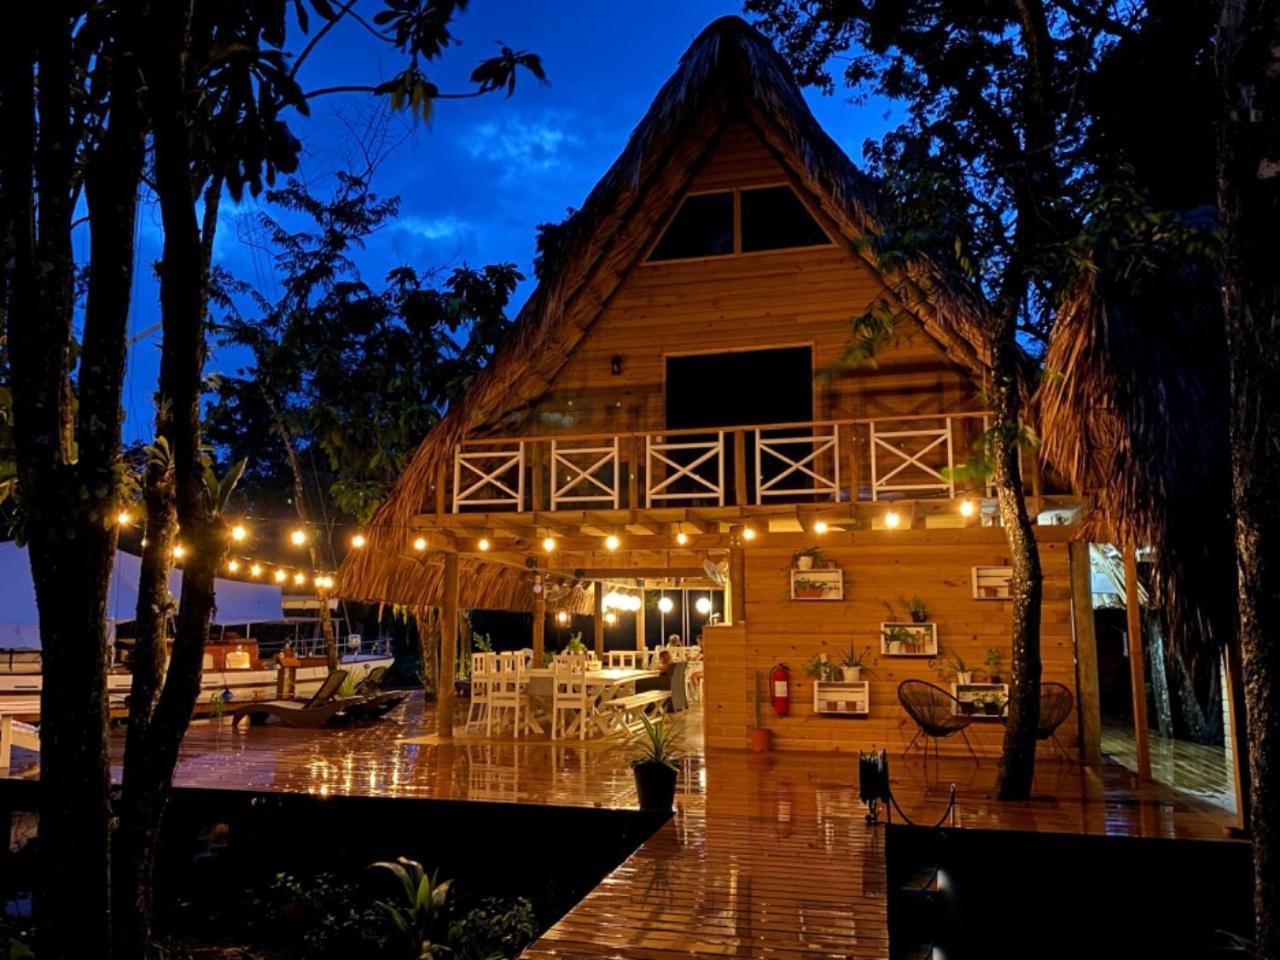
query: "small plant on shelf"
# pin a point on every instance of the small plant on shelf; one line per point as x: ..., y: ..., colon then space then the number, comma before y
x: 951, y: 666
x: 821, y: 668
x: 915, y: 608
x: 807, y: 589
x: 992, y: 664
x: 810, y: 558
x: 852, y: 663
x: 989, y: 703
x: 900, y: 639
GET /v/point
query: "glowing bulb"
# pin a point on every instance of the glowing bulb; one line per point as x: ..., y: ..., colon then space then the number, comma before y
x: 611, y: 618
x: 298, y: 537
x: 255, y: 570
x: 420, y: 544
x: 358, y: 541
x: 666, y: 605
x: 299, y: 578
x: 611, y: 542
x: 548, y: 544
x: 891, y: 520
x: 179, y: 551
x: 280, y: 575
x: 703, y: 605
x: 748, y: 533
x: 123, y: 517
x: 484, y: 544
x: 634, y: 603
x: 238, y: 533
x: 966, y: 508
x: 820, y: 526
x: 682, y: 538
x: 562, y: 617
x: 233, y: 565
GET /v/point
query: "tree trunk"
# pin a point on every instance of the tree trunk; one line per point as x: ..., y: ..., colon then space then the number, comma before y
x: 1248, y: 70
x: 1157, y: 661
x: 428, y: 624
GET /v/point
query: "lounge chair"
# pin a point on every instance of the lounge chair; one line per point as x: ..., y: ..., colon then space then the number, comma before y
x: 936, y: 713
x: 323, y: 706
x: 372, y: 702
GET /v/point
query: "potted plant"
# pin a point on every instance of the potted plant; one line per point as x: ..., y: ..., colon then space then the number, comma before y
x: 897, y: 638
x: 989, y: 703
x: 992, y: 663
x: 806, y: 589
x: 807, y: 559
x: 575, y: 644
x: 852, y: 663
x: 655, y: 768
x: 953, y: 667
x: 821, y: 668
x: 761, y: 737
x: 915, y: 608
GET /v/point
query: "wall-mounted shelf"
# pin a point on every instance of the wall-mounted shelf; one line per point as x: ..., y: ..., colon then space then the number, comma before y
x: 966, y: 693
x: 925, y: 635
x: 992, y: 583
x: 846, y: 698
x: 824, y: 584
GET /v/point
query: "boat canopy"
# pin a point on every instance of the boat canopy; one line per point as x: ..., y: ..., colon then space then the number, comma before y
x: 236, y: 600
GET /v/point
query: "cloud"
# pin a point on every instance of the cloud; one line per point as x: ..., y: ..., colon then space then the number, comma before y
x: 435, y: 228
x: 522, y: 146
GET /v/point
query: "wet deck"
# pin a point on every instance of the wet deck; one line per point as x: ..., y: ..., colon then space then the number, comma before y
x: 767, y: 855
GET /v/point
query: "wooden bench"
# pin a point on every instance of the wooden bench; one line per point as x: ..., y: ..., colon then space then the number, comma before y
x: 629, y: 713
x: 16, y: 733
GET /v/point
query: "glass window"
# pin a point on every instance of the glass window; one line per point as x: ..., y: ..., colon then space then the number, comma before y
x: 773, y: 218
x: 703, y: 227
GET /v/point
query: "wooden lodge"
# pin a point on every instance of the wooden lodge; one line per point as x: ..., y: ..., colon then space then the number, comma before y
x: 678, y: 409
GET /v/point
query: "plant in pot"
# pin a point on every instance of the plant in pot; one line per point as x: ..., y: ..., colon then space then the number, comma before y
x: 992, y: 664
x: 852, y: 663
x: 821, y: 668
x: 915, y: 608
x: 952, y: 667
x: 575, y: 644
x: 761, y: 738
x: 654, y: 768
x: 810, y: 558
x: 898, y: 639
x: 806, y: 589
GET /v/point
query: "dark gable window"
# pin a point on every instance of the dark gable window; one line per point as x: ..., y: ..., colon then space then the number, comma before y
x: 773, y: 218
x: 703, y: 227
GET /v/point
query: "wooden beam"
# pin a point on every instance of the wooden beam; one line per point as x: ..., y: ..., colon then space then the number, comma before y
x: 639, y: 573
x: 448, y: 647
x: 1137, y: 662
x: 539, y: 621
x: 1088, y: 700
x: 597, y: 617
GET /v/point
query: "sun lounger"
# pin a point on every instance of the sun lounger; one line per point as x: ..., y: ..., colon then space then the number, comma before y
x: 324, y: 705
x: 372, y: 701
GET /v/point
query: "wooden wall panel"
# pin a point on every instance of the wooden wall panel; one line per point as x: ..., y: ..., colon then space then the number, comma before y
x: 920, y: 563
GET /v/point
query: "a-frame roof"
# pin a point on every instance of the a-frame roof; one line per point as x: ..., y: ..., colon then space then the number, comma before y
x: 730, y: 71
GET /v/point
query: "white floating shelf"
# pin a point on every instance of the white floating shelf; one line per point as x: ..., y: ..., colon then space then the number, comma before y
x: 846, y: 698
x: 925, y: 635
x: 966, y: 693
x: 992, y: 583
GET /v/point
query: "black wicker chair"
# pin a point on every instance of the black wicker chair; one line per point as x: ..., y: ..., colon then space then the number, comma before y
x: 1056, y: 702
x: 936, y: 713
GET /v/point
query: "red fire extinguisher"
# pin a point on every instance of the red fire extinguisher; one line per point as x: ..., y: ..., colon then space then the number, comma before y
x: 780, y: 683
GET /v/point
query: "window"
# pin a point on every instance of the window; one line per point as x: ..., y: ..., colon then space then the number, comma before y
x: 773, y: 218
x: 703, y: 227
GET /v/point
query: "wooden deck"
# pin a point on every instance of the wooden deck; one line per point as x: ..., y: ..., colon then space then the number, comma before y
x: 767, y: 855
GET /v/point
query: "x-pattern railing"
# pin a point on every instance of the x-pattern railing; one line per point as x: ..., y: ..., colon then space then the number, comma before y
x: 489, y: 477
x: 894, y: 446
x: 689, y: 461
x: 816, y: 465
x: 578, y: 481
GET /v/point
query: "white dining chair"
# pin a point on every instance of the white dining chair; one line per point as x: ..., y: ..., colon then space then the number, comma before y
x: 508, y: 692
x: 571, y: 702
x: 622, y: 659
x: 483, y: 668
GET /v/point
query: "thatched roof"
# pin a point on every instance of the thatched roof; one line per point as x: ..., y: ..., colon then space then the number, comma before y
x: 730, y: 71
x: 1133, y: 409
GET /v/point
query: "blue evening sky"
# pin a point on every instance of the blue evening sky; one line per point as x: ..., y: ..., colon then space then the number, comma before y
x: 482, y: 173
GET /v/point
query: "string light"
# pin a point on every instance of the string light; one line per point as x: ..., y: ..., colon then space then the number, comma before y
x: 748, y: 533
x: 298, y: 537
x: 483, y: 544
x: 233, y: 565
x: 820, y: 526
x: 299, y: 578
x: 255, y: 570
x: 280, y: 576
x: 420, y: 544
x: 123, y: 518
x: 666, y: 604
x: 703, y: 605
x: 549, y: 544
x: 238, y: 533
x: 611, y: 543
x: 358, y: 541
x: 966, y: 508
x: 891, y: 520
x: 179, y: 551
x: 682, y: 538
x: 611, y: 618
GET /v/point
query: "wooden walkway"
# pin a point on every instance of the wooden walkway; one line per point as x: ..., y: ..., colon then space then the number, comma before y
x: 766, y: 856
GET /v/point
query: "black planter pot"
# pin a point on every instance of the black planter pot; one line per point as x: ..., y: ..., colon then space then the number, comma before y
x: 656, y: 785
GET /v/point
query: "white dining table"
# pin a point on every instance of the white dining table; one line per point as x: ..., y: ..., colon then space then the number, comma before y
x: 606, y: 684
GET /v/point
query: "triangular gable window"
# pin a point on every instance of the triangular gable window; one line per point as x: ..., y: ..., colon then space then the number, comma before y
x: 738, y: 221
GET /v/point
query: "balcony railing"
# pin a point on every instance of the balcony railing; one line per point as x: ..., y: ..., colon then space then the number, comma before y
x: 884, y: 458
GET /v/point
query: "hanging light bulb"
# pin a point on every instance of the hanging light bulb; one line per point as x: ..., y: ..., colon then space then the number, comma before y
x: 298, y: 537
x: 280, y: 576
x: 682, y: 538
x: 358, y: 541
x: 611, y: 543
x: 483, y: 544
x: 233, y: 565
x: 611, y: 618
x: 748, y: 533
x: 703, y: 605
x: 238, y: 533
x: 549, y: 544
x: 820, y: 526
x: 420, y: 544
x: 179, y: 551
x: 891, y: 520
x: 562, y: 617
x: 299, y: 578
x: 123, y: 518
x: 634, y: 604
x: 967, y: 508
x: 255, y: 570
x: 666, y: 604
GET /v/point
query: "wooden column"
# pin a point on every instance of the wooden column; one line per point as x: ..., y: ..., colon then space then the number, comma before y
x: 539, y: 476
x: 597, y: 618
x: 448, y: 647
x: 1088, y: 703
x: 539, y: 622
x: 741, y: 496
x: 737, y: 576
x: 442, y: 489
x: 1137, y: 664
x: 640, y: 644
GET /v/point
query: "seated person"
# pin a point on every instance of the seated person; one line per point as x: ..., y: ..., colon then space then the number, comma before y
x: 663, y: 680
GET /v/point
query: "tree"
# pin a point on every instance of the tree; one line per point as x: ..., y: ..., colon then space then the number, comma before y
x: 1248, y: 179
x: 211, y: 84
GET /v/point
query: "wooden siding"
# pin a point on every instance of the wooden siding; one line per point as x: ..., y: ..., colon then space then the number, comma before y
x: 748, y: 301
x: 879, y: 568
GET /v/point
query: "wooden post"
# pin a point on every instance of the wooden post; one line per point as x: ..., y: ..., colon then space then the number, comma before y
x: 448, y: 648
x: 597, y: 618
x: 1137, y: 665
x: 741, y: 496
x: 737, y: 576
x: 539, y: 621
x: 442, y: 488
x: 1088, y: 702
x: 633, y: 474
x: 540, y: 476
x: 852, y: 478
x: 640, y: 644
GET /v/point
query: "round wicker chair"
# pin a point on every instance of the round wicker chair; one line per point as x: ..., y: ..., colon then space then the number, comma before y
x: 936, y: 714
x: 1056, y: 702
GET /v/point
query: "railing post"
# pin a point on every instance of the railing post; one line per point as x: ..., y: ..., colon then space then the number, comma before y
x: 759, y: 471
x: 720, y: 465
x: 853, y: 463
x: 520, y: 461
x: 457, y: 474
x: 540, y: 479
x: 634, y: 482
x: 951, y: 462
x: 740, y: 467
x: 835, y: 458
x: 617, y: 479
x: 872, y: 428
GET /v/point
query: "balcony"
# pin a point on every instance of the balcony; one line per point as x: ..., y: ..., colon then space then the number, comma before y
x: 834, y: 461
